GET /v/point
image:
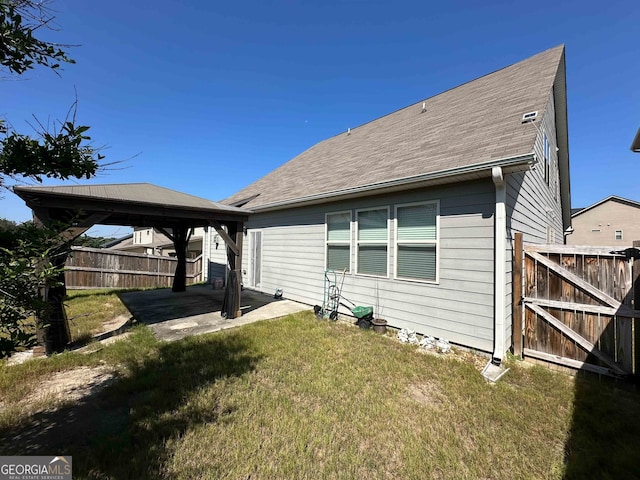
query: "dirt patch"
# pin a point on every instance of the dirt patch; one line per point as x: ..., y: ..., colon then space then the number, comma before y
x: 456, y: 353
x: 427, y: 393
x: 65, y: 410
x: 111, y: 325
x: 68, y: 386
x: 478, y: 361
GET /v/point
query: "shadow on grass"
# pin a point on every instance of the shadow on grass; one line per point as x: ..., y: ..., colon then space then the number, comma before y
x: 122, y: 430
x: 604, y: 436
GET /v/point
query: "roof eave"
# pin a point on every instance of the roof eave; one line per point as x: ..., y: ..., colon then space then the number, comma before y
x: 468, y: 172
x: 615, y: 198
x: 29, y: 195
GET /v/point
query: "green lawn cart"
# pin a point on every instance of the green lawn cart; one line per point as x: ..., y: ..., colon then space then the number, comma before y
x: 333, y: 282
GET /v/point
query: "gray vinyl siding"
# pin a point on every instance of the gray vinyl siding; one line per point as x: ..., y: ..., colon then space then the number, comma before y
x: 215, y: 257
x: 532, y: 205
x: 459, y: 307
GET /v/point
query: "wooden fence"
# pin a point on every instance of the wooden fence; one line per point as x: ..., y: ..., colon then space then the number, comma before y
x: 574, y: 306
x: 99, y: 268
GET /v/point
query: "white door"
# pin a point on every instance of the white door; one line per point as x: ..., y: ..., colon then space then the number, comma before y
x: 255, y: 259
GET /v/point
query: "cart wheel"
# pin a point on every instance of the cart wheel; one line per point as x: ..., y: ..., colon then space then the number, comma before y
x: 333, y: 315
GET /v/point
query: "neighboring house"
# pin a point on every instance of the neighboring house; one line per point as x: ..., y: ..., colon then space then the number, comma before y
x: 610, y: 222
x: 151, y: 241
x: 420, y: 206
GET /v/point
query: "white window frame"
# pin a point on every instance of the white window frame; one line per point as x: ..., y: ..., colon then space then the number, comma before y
x: 358, y: 242
x: 334, y: 242
x: 435, y: 242
x: 616, y: 235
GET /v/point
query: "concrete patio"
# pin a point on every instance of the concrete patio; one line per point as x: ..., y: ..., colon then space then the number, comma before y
x: 172, y: 316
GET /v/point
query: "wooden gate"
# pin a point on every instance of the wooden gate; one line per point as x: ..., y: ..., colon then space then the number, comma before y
x: 576, y: 308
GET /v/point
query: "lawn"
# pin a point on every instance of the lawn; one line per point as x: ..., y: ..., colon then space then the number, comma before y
x: 300, y: 398
x: 89, y: 310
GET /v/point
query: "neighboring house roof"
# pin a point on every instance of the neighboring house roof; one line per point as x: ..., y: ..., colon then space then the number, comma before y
x: 469, y: 128
x: 576, y: 210
x: 635, y: 145
x: 163, y: 242
x: 118, y: 241
x: 614, y: 198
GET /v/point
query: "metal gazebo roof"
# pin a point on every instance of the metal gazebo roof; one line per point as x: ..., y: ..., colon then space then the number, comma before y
x: 134, y: 204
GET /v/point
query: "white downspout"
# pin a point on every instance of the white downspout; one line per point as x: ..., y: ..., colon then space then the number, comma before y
x: 500, y: 265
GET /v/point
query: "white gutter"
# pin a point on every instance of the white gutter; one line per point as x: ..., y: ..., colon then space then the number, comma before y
x: 517, y: 163
x: 500, y: 269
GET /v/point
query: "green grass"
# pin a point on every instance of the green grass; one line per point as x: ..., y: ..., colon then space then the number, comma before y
x: 87, y: 310
x: 298, y: 398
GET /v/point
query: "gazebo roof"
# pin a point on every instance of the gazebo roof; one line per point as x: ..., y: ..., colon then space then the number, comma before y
x: 134, y: 204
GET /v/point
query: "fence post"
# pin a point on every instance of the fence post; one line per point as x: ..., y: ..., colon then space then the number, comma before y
x: 516, y: 283
x: 636, y: 305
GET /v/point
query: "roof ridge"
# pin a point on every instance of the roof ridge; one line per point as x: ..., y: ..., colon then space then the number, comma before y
x: 425, y: 99
x: 483, y: 115
x: 627, y: 201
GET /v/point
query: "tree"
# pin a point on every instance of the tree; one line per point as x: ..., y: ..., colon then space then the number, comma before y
x: 92, y: 242
x: 27, y: 267
x: 19, y: 49
x: 30, y: 255
x: 63, y: 153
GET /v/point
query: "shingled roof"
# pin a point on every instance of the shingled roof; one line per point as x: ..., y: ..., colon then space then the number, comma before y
x: 470, y: 126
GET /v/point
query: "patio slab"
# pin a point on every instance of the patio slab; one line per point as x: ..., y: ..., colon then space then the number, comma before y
x: 173, y: 316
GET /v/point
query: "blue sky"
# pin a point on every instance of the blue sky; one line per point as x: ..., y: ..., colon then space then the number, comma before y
x: 205, y: 97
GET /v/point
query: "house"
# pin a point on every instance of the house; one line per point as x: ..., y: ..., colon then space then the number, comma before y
x: 152, y: 241
x: 419, y: 207
x: 613, y: 221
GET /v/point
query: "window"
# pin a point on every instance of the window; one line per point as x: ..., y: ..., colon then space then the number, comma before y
x: 595, y: 230
x: 417, y: 241
x: 372, y: 241
x: 338, y: 240
x: 618, y: 234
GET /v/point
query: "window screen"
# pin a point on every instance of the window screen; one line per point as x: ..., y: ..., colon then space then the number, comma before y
x: 417, y: 240
x: 338, y: 241
x: 373, y: 238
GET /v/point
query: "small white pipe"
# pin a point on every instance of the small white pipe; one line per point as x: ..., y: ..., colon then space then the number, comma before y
x: 500, y: 268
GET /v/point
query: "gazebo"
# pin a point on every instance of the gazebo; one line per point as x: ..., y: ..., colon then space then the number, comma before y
x: 137, y: 205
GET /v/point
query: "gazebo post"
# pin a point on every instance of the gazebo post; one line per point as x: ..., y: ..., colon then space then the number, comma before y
x: 239, y: 238
x: 181, y: 237
x: 52, y: 325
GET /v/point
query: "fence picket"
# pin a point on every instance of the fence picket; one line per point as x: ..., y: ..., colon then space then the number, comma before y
x: 100, y: 268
